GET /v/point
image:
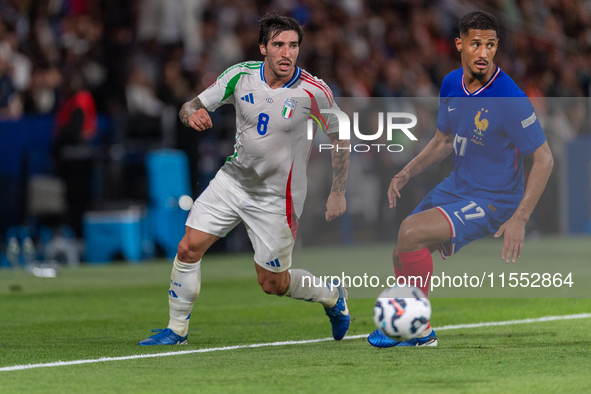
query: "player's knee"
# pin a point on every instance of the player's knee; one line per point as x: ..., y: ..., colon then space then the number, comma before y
x: 269, y: 287
x: 188, y: 253
x: 407, y: 235
x: 274, y: 287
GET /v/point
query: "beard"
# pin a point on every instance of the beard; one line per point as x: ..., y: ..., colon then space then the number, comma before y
x: 479, y: 75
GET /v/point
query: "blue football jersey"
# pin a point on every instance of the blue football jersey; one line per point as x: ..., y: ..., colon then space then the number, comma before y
x: 493, y: 128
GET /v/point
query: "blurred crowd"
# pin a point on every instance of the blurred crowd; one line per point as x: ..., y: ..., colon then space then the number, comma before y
x: 135, y: 62
x: 140, y: 55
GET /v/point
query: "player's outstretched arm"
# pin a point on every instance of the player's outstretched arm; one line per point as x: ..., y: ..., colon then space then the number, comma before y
x: 436, y: 150
x: 514, y: 229
x: 193, y: 114
x: 336, y: 204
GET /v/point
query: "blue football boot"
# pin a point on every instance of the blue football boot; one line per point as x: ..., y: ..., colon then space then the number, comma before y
x: 164, y: 337
x: 429, y: 340
x: 379, y: 339
x: 339, y: 315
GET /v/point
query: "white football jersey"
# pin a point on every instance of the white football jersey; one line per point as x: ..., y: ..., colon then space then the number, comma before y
x: 272, y: 145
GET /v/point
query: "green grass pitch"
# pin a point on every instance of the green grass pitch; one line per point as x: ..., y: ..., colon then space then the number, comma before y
x: 103, y: 311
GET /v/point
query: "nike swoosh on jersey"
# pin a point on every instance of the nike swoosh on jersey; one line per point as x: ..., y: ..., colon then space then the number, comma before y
x: 450, y: 109
x: 456, y: 213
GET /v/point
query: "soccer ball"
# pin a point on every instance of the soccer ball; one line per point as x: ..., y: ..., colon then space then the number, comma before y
x: 402, y: 312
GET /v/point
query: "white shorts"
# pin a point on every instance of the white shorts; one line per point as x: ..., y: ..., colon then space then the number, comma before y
x: 223, y: 205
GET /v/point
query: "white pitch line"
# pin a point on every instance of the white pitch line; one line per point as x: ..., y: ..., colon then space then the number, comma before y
x: 524, y: 321
x: 284, y: 343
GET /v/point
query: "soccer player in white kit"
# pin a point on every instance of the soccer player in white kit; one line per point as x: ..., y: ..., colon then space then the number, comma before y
x: 263, y: 184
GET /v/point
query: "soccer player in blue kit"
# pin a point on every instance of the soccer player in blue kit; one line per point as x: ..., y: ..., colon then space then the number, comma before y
x: 489, y: 125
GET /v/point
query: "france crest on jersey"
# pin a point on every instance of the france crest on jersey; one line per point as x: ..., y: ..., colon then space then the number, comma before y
x: 493, y: 128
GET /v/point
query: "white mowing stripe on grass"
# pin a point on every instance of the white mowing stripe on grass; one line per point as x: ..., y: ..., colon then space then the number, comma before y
x: 284, y: 343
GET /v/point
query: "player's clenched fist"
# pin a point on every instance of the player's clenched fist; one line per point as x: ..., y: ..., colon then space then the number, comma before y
x: 335, y: 206
x: 200, y: 120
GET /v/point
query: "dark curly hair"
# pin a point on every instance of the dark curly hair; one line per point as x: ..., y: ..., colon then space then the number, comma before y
x: 273, y: 24
x: 478, y: 20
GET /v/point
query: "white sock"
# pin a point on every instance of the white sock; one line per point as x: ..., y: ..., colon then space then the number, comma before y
x: 185, y: 283
x: 307, y: 287
x: 427, y: 332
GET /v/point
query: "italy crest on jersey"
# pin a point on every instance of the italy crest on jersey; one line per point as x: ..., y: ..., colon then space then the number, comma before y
x: 289, y: 108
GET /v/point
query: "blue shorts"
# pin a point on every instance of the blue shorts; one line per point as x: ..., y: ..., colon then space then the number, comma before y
x: 469, y: 218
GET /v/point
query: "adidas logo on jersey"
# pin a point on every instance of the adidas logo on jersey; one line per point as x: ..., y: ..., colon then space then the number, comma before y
x: 248, y: 98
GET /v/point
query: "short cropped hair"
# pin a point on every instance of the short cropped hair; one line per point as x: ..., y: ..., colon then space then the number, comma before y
x: 478, y: 20
x: 272, y: 25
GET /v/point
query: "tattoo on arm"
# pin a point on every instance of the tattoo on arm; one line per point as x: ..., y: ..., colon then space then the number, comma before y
x: 340, y: 162
x: 188, y: 109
